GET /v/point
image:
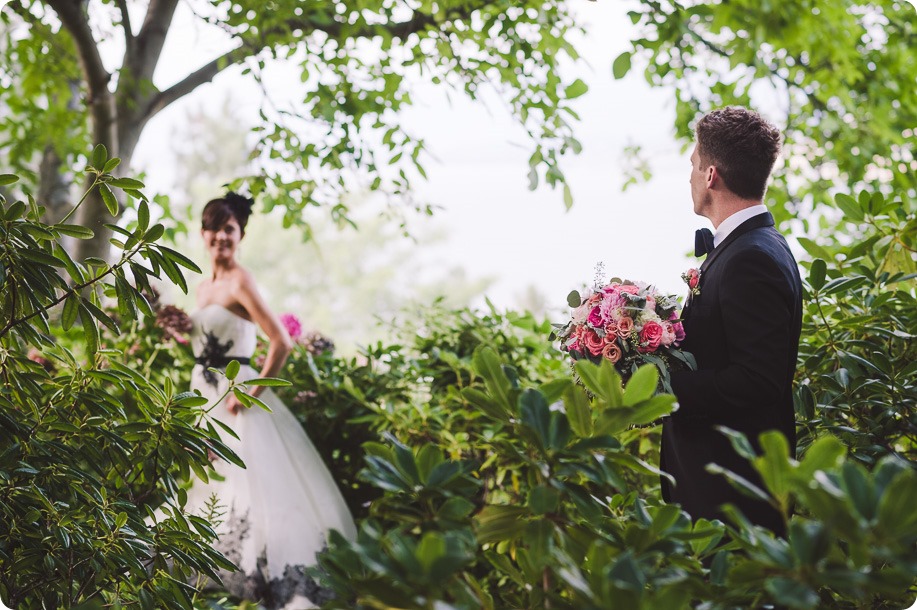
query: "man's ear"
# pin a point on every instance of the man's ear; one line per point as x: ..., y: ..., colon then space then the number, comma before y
x: 712, y: 176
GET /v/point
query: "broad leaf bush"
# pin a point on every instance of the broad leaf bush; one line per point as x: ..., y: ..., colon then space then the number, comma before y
x: 858, y: 356
x: 90, y: 444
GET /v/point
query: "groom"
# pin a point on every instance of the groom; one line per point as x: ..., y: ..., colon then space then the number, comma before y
x: 743, y: 326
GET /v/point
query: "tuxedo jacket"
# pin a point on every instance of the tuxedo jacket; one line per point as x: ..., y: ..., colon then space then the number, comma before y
x: 743, y: 329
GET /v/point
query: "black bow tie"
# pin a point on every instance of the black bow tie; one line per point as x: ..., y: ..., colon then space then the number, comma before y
x: 703, y: 242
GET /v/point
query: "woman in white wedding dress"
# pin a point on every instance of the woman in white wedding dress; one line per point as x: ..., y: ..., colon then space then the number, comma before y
x: 279, y: 509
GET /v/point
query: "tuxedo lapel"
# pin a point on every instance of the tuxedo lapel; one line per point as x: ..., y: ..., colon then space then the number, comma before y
x: 755, y: 222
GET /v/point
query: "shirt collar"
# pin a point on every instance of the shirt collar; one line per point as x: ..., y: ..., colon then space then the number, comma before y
x: 732, y: 222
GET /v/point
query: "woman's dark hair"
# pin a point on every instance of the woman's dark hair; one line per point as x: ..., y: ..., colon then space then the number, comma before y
x: 218, y: 211
x: 742, y: 145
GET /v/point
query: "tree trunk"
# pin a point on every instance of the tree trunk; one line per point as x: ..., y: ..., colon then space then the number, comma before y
x: 53, y: 186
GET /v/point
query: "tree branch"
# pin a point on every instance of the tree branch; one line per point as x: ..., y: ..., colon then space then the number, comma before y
x: 252, y: 46
x: 151, y: 38
x: 197, y: 78
x: 77, y: 24
x: 126, y: 20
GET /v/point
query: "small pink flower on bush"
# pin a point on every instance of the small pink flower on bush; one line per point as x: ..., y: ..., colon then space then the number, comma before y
x: 292, y: 324
x: 595, y: 317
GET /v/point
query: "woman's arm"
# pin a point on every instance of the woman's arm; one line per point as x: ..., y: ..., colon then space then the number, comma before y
x: 246, y: 293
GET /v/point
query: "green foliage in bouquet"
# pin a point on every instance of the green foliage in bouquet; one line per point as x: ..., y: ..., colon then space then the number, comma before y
x: 90, y: 446
x: 858, y: 354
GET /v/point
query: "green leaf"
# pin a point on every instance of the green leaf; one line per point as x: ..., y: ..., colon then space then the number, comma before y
x: 90, y: 330
x: 740, y: 483
x: 621, y: 65
x: 739, y: 441
x: 71, y: 311
x: 498, y: 523
x: 579, y: 411
x: 77, y: 231
x: 110, y: 165
x: 7, y: 179
x: 896, y: 512
x: 774, y: 465
x: 487, y: 364
x: 535, y: 414
x: 232, y: 369
x: 143, y: 216
x: 850, y: 207
x: 602, y: 380
x: 626, y: 573
x: 575, y: 89
x: 126, y: 183
x: 642, y: 385
x: 155, y: 232
x: 814, y: 249
x: 824, y: 454
x: 568, y: 196
x: 273, y: 382
x: 791, y: 593
x: 110, y: 202
x: 486, y: 404
x: 817, y: 274
x: 543, y: 499
x: 651, y: 410
x: 99, y: 156
x: 574, y: 299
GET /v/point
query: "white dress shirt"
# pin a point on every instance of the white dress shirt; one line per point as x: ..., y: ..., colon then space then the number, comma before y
x: 732, y: 222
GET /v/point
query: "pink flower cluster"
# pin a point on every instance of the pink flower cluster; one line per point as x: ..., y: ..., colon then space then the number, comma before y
x: 292, y: 324
x: 622, y: 320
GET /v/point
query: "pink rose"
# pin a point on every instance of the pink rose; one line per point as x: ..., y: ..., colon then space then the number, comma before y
x: 625, y: 326
x: 651, y: 336
x: 630, y: 289
x: 595, y: 317
x: 692, y: 279
x: 593, y: 342
x: 292, y: 324
x: 612, y: 352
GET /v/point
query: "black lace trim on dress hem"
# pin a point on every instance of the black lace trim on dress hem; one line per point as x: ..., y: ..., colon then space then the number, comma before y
x: 273, y: 593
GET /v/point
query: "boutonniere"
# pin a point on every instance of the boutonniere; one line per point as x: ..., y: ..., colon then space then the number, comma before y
x: 692, y: 279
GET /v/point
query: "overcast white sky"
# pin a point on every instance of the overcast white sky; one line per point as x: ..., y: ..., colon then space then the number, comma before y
x: 496, y: 227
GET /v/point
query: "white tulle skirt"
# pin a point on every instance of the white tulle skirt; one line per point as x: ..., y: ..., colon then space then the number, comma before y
x: 279, y: 509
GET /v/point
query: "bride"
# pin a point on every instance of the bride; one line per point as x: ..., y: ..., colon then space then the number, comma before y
x: 277, y: 511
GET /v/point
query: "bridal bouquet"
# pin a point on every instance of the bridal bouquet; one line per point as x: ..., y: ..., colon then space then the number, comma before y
x: 627, y: 323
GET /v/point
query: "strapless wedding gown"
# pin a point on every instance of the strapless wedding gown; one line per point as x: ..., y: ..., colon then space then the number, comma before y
x: 281, y: 506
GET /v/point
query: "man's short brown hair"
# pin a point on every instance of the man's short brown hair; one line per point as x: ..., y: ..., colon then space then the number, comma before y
x: 742, y: 145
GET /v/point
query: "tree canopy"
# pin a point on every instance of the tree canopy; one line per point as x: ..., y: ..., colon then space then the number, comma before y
x: 841, y: 74
x: 358, y: 60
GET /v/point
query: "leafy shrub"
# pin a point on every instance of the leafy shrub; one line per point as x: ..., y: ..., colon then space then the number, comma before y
x: 82, y: 469
x: 572, y: 534
x: 858, y: 356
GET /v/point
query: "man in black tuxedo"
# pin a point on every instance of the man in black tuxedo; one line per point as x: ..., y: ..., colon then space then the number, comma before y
x: 743, y: 327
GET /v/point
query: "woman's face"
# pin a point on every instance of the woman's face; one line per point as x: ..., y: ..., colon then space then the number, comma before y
x: 221, y: 243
